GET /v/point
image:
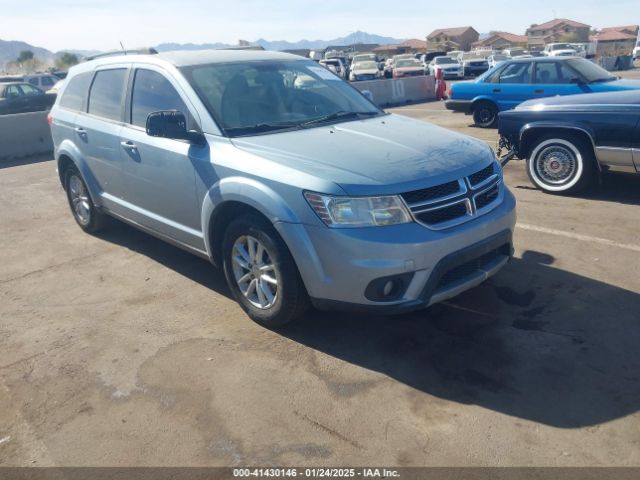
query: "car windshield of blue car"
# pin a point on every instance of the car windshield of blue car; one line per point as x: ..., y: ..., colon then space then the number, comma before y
x: 590, y: 71
x: 259, y: 97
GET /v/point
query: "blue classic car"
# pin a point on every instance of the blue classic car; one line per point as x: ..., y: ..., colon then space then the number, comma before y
x: 568, y: 141
x: 515, y: 81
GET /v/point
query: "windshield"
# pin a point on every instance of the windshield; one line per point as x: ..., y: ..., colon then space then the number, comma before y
x: 365, y: 66
x: 590, y: 71
x: 262, y: 96
x: 408, y: 63
x: 364, y: 57
x: 443, y: 60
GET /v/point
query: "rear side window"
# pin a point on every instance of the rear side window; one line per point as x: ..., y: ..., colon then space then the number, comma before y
x: 152, y: 92
x: 76, y: 92
x: 516, y: 73
x: 107, y: 91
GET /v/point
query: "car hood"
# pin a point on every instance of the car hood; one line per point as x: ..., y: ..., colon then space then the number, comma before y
x: 629, y: 96
x: 382, y: 155
x: 365, y: 71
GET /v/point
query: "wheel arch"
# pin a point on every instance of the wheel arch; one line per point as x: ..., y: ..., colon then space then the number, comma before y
x: 68, y: 155
x: 530, y: 132
x: 234, y: 196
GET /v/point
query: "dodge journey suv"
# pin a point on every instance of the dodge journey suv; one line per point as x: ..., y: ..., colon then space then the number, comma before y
x: 289, y: 179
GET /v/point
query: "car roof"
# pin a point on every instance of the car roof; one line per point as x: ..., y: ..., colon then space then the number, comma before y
x: 542, y: 59
x: 186, y: 58
x: 2, y: 84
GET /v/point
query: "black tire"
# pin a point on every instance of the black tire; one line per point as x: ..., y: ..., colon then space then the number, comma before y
x: 290, y: 299
x: 485, y: 114
x: 92, y: 221
x: 572, y: 170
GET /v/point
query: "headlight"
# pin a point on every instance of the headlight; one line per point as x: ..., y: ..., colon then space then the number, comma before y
x: 353, y: 212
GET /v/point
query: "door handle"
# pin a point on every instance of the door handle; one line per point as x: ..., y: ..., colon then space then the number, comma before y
x: 496, y: 90
x: 538, y: 90
x: 80, y: 131
x: 128, y: 145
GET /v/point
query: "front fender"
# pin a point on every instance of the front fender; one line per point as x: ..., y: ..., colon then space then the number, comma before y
x: 247, y: 191
x: 67, y: 149
x: 530, y: 127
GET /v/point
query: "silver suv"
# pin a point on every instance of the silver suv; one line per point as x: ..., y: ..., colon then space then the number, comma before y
x: 291, y: 180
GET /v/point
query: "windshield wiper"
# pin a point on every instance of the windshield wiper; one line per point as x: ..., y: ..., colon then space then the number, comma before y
x: 261, y: 127
x: 603, y: 80
x: 337, y: 116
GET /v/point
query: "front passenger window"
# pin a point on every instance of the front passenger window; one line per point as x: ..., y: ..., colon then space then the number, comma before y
x: 152, y: 92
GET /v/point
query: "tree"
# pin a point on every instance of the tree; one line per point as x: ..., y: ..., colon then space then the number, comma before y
x: 25, y: 56
x: 66, y: 60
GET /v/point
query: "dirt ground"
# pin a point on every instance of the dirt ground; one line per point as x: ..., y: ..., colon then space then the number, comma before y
x: 118, y: 349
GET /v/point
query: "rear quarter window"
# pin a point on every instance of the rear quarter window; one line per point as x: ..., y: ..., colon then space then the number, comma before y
x: 106, y: 94
x: 75, y: 94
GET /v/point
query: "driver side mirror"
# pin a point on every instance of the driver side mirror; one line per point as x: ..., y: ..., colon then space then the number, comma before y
x: 171, y: 124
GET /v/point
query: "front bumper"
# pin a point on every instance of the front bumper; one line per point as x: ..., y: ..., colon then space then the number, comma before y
x: 458, y: 105
x: 337, y: 265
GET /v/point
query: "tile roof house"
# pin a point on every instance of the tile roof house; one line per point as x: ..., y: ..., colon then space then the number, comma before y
x: 408, y: 46
x: 501, y: 40
x: 557, y: 30
x: 459, y: 38
x: 614, y: 41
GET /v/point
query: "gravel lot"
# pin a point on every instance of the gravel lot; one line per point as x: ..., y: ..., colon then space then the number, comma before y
x: 121, y: 350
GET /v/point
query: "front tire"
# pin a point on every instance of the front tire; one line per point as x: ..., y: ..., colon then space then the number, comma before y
x: 485, y: 114
x: 561, y: 164
x: 84, y: 211
x: 261, y: 273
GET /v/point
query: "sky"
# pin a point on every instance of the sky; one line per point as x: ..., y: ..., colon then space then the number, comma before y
x: 102, y: 24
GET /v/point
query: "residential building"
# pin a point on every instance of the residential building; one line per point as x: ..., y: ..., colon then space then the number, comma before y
x: 501, y: 40
x: 616, y: 41
x: 458, y: 38
x: 558, y: 30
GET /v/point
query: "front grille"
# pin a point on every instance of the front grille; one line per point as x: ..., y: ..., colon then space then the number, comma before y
x: 480, y: 176
x: 455, y: 202
x: 441, y: 215
x: 431, y: 193
x: 468, y: 269
x: 487, y: 197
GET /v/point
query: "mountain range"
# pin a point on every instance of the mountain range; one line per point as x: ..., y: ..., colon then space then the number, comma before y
x: 10, y: 49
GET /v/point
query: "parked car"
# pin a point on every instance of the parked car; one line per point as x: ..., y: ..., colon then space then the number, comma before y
x: 427, y: 57
x: 364, y: 57
x: 568, y: 141
x: 496, y: 59
x: 636, y: 51
x: 451, y: 68
x: 364, y: 70
x: 516, y: 81
x: 22, y: 97
x: 559, y: 49
x: 407, y: 68
x: 515, y: 52
x: 310, y: 195
x: 474, y: 66
x: 336, y: 66
x: 43, y: 81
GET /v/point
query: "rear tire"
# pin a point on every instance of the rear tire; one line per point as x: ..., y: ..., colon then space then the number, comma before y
x: 261, y: 272
x: 485, y: 114
x: 82, y: 208
x: 561, y: 163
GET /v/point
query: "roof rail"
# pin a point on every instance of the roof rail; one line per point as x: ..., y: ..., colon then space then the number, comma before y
x: 141, y: 51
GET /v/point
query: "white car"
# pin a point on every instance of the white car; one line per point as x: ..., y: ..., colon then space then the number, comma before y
x: 451, y: 67
x: 636, y: 51
x: 336, y: 66
x: 364, y: 57
x: 44, y: 81
x: 559, y: 50
x: 364, y: 70
x: 496, y: 59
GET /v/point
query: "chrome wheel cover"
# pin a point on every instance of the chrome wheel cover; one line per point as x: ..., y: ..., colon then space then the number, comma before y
x: 79, y: 200
x: 556, y: 164
x: 254, y: 272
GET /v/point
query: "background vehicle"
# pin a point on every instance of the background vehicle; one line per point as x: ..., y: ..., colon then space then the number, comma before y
x: 558, y: 49
x: 567, y: 141
x: 473, y: 65
x: 450, y: 67
x: 636, y: 51
x: 496, y: 59
x: 43, y: 81
x: 246, y: 176
x: 364, y: 57
x: 407, y: 68
x: 364, y: 70
x: 16, y: 97
x: 336, y: 66
x: 427, y: 57
x: 516, y: 81
x: 515, y: 52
